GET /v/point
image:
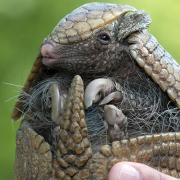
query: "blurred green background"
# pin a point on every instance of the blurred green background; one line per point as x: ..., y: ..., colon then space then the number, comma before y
x: 24, y: 24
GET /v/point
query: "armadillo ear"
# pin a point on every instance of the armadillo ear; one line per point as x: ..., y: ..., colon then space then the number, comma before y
x: 132, y: 21
x: 34, y: 74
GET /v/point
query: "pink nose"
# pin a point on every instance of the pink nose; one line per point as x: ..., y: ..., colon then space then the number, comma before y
x: 47, y: 50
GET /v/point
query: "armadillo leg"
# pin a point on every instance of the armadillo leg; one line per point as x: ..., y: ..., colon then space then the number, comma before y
x: 157, y: 63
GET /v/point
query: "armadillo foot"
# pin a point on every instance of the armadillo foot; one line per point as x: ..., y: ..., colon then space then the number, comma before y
x: 116, y: 122
x: 104, y: 89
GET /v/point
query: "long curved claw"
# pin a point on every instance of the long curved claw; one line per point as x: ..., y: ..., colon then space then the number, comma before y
x: 115, y: 120
x: 114, y: 96
x: 96, y: 89
x: 57, y: 101
x: 113, y: 115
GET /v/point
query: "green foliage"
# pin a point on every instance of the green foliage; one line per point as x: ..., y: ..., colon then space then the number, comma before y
x: 24, y: 24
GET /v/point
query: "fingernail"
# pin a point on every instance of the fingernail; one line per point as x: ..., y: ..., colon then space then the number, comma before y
x: 125, y: 172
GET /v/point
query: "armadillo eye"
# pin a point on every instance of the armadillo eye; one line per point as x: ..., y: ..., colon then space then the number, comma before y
x: 104, y: 38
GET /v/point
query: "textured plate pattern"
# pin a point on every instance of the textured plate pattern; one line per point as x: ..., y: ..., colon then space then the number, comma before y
x: 74, y: 149
x: 80, y: 24
x: 157, y: 63
x: 161, y: 151
x: 33, y: 155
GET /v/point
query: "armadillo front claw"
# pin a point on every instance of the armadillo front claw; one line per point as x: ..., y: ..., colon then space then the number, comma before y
x: 57, y: 102
x: 97, y: 89
x: 115, y: 120
x: 114, y: 96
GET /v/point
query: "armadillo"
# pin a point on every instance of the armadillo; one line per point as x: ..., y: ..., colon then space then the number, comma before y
x: 109, y: 42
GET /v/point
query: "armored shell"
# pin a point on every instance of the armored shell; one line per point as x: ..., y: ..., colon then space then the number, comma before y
x: 82, y: 22
x: 157, y: 63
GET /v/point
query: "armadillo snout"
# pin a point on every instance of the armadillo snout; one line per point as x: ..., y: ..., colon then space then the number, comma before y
x: 47, y: 50
x: 48, y: 54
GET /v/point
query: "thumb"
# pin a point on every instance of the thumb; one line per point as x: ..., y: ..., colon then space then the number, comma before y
x: 136, y: 171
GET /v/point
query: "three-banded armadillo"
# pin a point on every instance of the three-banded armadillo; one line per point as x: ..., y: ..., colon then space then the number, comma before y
x: 98, y: 40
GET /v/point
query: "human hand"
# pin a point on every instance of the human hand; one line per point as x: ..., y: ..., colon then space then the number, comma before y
x: 136, y: 171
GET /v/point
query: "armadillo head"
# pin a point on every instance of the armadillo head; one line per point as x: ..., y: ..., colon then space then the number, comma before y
x: 86, y: 40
